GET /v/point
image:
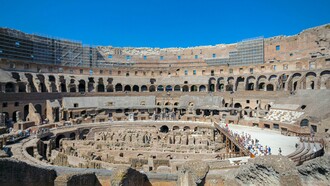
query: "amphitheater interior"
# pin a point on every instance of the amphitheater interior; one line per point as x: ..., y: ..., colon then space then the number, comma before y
x: 74, y: 114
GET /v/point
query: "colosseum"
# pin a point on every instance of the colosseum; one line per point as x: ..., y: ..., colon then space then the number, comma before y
x: 255, y: 112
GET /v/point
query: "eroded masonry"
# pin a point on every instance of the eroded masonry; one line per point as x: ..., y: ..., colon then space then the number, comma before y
x: 159, y: 116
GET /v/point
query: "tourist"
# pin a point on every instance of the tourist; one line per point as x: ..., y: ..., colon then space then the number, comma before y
x: 280, y: 151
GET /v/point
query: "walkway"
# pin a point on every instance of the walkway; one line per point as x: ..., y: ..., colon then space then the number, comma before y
x: 268, y: 137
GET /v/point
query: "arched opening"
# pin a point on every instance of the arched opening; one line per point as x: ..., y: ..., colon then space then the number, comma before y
x: 26, y: 112
x: 72, y: 86
x: 250, y: 82
x: 202, y: 88
x: 63, y: 87
x: 185, y: 128
x: 42, y: 85
x: 152, y: 81
x: 84, y: 134
x: 16, y: 76
x: 160, y: 88
x: 10, y: 87
x: 185, y: 88
x: 238, y: 105
x: 312, y: 85
x: 72, y: 136
x: 15, y: 116
x: 135, y: 88
x: 211, y: 88
x: 240, y: 83
x: 100, y: 88
x: 270, y: 87
x: 110, y: 88
x: 250, y: 86
x: 261, y: 86
x: 38, y: 109
x: 272, y: 78
x: 152, y: 88
x: 119, y: 87
x: 325, y: 80
x: 221, y: 87
x: 294, y: 81
x: 207, y: 113
x: 193, y: 88
x: 127, y: 88
x: 91, y: 84
x: 144, y: 88
x: 31, y: 83
x: 326, y: 72
x: 6, y: 116
x: 295, y: 84
x: 176, y: 128
x: 168, y: 88
x: 82, y: 86
x: 212, y: 84
x: 164, y: 129
x: 262, y: 82
x: 22, y: 87
x: 220, y: 83
x: 177, y: 88
x: 140, y: 156
x: 168, y: 103
x: 57, y: 141
x: 230, y: 84
x: 229, y: 87
x: 304, y: 123
x: 52, y: 83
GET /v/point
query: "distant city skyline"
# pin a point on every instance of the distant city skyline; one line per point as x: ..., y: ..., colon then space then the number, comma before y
x: 155, y: 23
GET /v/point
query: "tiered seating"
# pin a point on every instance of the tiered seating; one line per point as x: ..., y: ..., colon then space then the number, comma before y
x: 286, y: 116
x: 306, y: 151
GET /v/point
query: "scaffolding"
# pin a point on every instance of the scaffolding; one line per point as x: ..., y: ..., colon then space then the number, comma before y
x: 39, y: 49
x: 45, y: 50
x: 248, y: 52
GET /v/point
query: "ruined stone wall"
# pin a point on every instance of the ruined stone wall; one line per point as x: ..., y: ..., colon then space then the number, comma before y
x: 310, y: 42
x: 15, y: 173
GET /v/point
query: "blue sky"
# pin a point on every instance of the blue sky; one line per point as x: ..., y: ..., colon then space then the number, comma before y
x: 163, y: 23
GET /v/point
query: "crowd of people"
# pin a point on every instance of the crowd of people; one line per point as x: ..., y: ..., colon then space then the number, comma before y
x: 252, y: 144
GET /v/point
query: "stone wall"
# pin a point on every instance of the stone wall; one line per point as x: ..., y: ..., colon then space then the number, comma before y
x: 15, y: 173
x: 82, y: 179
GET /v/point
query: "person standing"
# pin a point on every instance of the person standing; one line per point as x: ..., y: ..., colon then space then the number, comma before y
x: 280, y: 151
